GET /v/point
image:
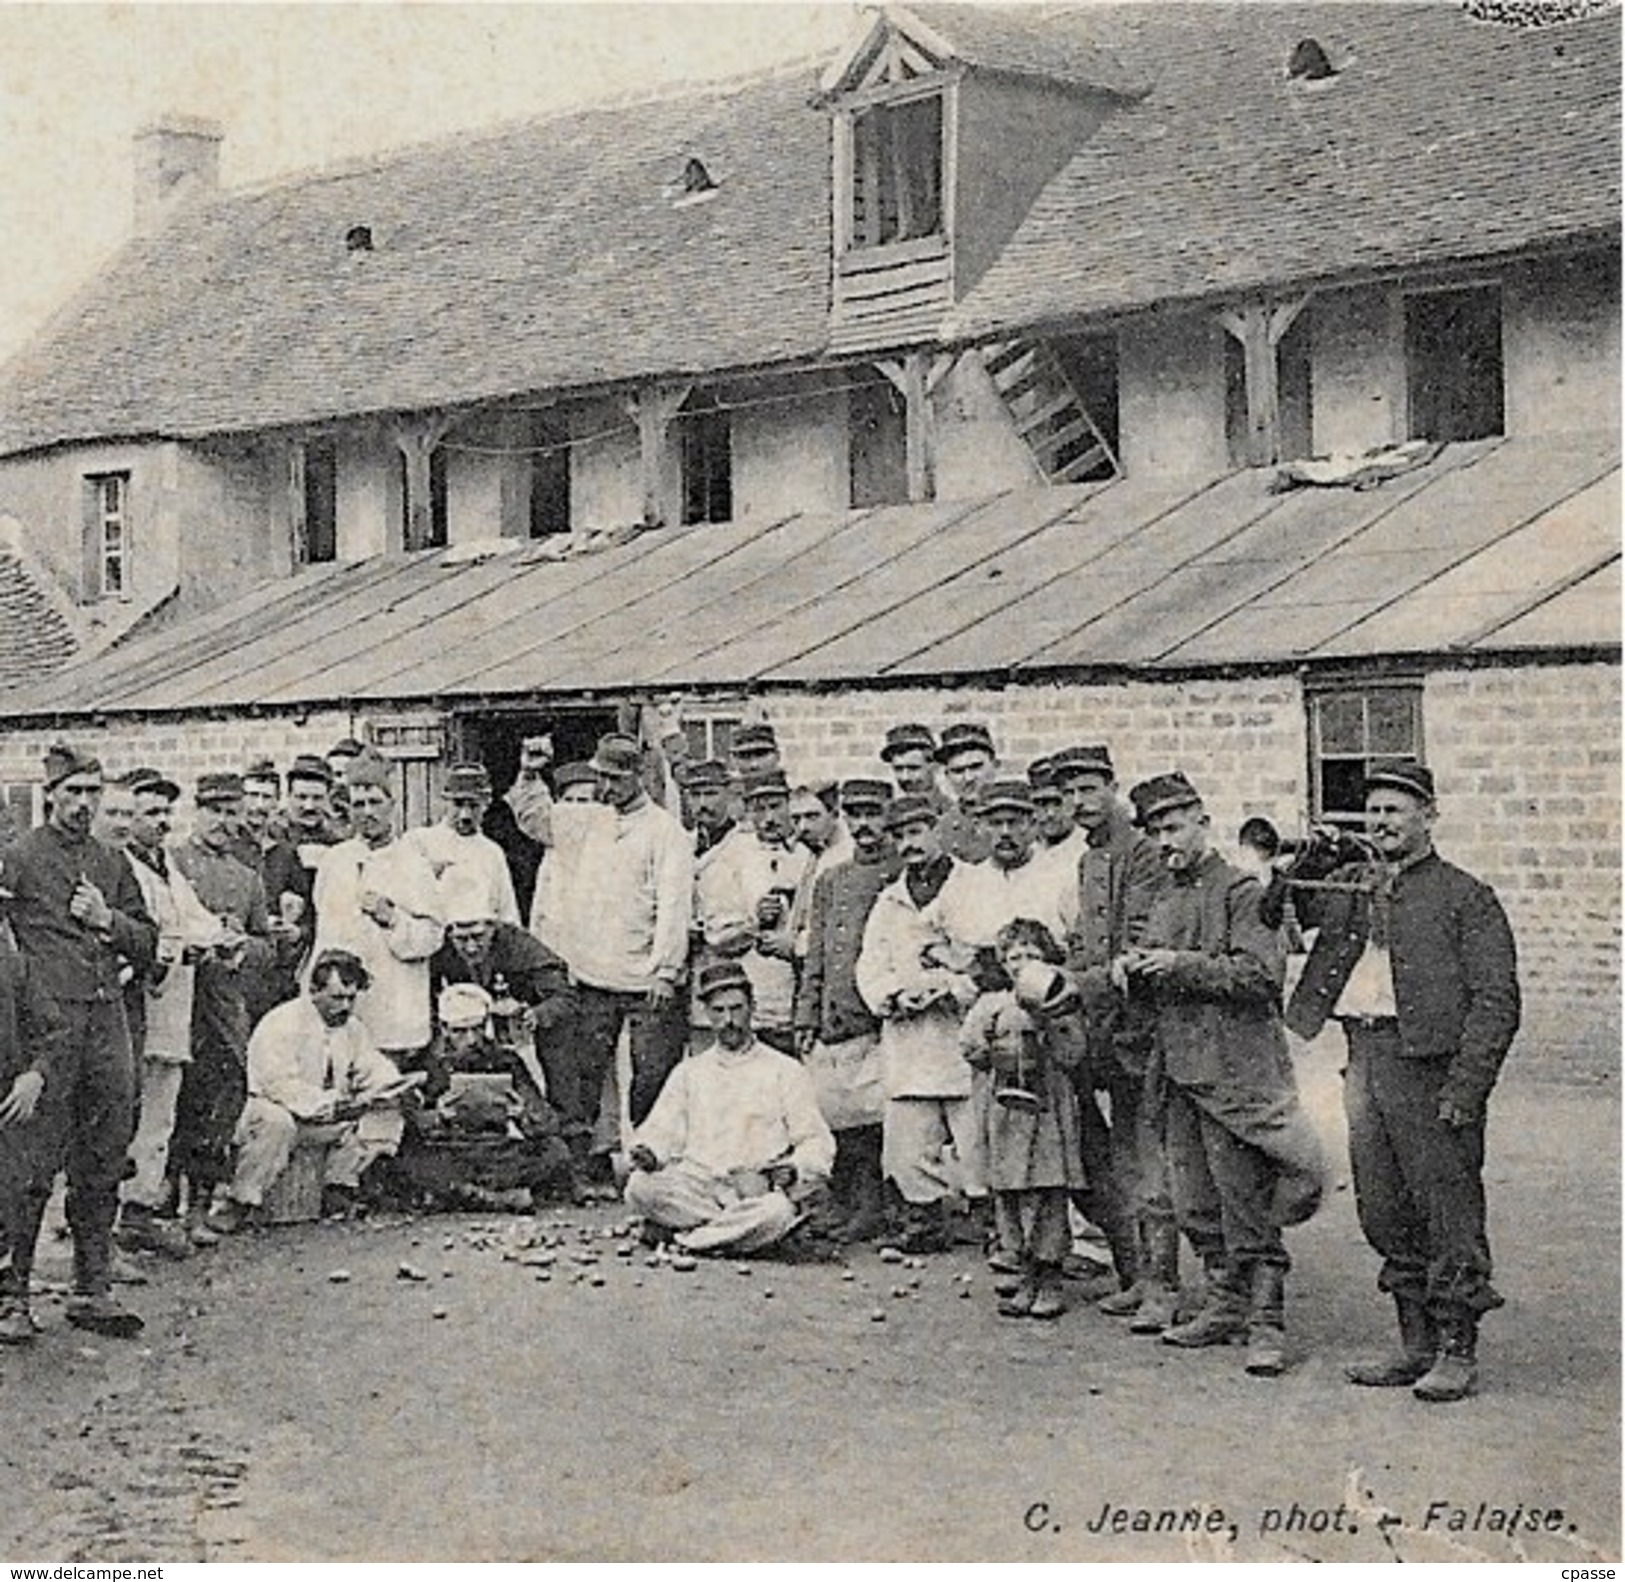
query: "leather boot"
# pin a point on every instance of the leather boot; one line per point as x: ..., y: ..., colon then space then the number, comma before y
x: 1222, y: 1317
x: 1159, y: 1297
x: 1454, y: 1374
x: 1266, y: 1321
x: 1418, y: 1343
x: 1018, y: 1302
x: 925, y: 1228
x: 1049, y: 1298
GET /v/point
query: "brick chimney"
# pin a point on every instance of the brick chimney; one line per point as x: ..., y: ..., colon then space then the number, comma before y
x: 177, y: 159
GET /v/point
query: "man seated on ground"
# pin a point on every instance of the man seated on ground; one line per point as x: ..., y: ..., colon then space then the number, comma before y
x: 735, y: 1143
x: 315, y: 1079
x: 485, y: 1136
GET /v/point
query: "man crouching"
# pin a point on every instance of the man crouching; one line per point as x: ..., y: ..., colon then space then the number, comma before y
x: 315, y: 1079
x: 735, y: 1142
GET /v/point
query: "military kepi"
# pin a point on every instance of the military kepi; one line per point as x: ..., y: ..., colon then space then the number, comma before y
x: 1160, y: 794
x: 717, y: 976
x: 1402, y: 775
x: 62, y: 762
x: 911, y: 810
x: 908, y: 739
x: 468, y: 780
x: 617, y: 755
x: 214, y: 789
x: 866, y: 793
x: 965, y: 738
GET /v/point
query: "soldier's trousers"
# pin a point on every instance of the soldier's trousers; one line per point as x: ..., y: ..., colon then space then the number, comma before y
x: 1224, y: 1188
x: 87, y: 1118
x: 1418, y: 1184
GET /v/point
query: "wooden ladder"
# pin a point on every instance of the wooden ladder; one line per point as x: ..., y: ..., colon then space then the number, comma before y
x: 1066, y: 443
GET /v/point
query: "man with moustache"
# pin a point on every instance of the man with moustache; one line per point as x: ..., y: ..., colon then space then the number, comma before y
x: 744, y: 895
x: 626, y: 879
x: 1415, y: 958
x: 378, y: 898
x: 734, y: 1146
x: 1119, y: 874
x: 912, y: 977
x: 213, y: 1082
x: 1211, y: 970
x: 969, y: 761
x: 456, y: 842
x: 78, y: 919
x: 187, y: 930
x: 837, y: 1035
x: 910, y: 751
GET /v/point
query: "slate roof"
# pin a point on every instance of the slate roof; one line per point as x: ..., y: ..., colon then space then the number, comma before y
x: 34, y: 638
x: 1028, y: 41
x: 549, y: 256
x: 1497, y: 547
x: 1441, y: 137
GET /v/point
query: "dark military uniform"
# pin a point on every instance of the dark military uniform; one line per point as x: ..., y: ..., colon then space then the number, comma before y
x: 1418, y: 1182
x: 90, y: 1111
x: 1119, y: 877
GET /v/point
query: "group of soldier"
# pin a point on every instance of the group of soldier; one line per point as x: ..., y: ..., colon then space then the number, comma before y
x: 940, y: 1001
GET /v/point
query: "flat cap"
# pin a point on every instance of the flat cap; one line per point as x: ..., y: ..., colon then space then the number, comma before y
x: 764, y: 783
x: 1159, y: 794
x: 575, y: 774
x: 346, y: 747
x: 749, y: 739
x: 307, y: 766
x: 463, y: 1005
x: 707, y: 774
x: 1402, y: 775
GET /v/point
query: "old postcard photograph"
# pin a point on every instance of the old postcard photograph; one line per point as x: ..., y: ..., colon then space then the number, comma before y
x: 810, y: 782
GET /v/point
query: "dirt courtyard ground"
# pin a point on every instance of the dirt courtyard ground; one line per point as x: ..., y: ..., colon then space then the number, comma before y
x: 270, y: 1412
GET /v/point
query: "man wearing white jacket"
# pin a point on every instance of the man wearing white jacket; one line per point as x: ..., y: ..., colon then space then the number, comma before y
x: 378, y: 898
x: 625, y: 877
x: 736, y: 1141
x: 745, y: 895
x: 912, y: 976
x: 315, y: 1077
x: 457, y: 843
x: 186, y: 929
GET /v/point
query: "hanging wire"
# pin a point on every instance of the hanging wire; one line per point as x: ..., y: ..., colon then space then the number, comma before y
x: 578, y: 442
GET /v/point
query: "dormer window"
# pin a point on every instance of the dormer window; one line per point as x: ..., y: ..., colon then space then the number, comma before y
x: 897, y: 172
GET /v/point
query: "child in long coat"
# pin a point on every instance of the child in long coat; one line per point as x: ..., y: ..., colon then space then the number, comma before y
x: 1029, y: 1036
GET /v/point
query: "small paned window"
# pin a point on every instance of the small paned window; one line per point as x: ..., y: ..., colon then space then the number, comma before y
x: 1351, y: 727
x: 107, y: 536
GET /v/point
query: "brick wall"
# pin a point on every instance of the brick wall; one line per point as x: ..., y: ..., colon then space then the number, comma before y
x: 182, y: 749
x: 1528, y: 765
x: 1241, y: 742
x: 1527, y: 761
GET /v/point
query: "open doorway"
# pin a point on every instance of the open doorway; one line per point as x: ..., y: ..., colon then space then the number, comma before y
x: 493, y: 737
